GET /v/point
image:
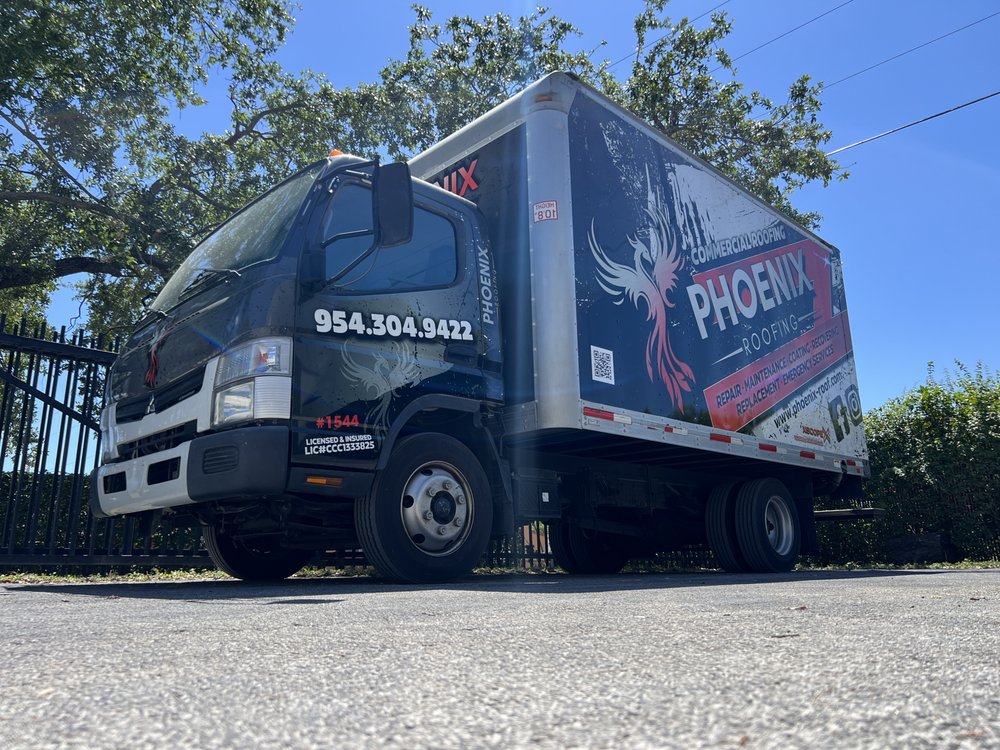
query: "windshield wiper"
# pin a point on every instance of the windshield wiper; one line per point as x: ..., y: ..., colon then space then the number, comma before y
x: 203, y: 277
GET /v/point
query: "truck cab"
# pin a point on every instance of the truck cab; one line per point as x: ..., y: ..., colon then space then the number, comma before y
x: 299, y: 347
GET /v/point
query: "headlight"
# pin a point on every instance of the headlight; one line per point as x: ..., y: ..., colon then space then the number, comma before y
x: 271, y: 356
x: 253, y: 381
x: 234, y: 404
x: 109, y: 449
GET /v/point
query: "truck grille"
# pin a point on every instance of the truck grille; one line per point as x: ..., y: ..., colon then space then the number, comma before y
x: 159, y: 441
x: 135, y: 408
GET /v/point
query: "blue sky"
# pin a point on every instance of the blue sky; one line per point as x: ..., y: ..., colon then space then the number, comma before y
x: 915, y: 222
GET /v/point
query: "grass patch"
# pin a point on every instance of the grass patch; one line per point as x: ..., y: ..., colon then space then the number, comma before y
x: 111, y: 576
x: 354, y: 571
x: 156, y: 575
x: 320, y: 573
x: 962, y: 565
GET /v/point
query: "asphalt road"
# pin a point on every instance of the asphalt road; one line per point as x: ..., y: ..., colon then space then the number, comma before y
x: 810, y: 660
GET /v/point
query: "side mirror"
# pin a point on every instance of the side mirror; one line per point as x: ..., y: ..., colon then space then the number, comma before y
x: 393, y: 204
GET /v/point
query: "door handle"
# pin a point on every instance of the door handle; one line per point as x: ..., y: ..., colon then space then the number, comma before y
x: 464, y: 354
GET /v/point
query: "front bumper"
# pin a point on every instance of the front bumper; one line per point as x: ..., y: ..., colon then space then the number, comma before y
x: 250, y: 462
x: 245, y: 463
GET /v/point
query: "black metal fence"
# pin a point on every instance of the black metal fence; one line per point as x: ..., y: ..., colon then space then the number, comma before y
x: 50, y: 398
x: 51, y: 390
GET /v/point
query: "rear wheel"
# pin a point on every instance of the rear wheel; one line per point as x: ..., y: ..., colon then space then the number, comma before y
x: 720, y: 526
x: 252, y: 560
x: 584, y: 551
x: 429, y: 514
x: 767, y: 526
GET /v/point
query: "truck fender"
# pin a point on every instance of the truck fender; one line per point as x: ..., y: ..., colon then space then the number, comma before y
x: 496, y: 468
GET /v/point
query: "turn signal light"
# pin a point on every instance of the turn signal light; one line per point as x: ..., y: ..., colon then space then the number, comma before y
x: 327, y: 481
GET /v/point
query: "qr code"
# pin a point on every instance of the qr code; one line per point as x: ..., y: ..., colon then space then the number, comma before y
x: 602, y: 365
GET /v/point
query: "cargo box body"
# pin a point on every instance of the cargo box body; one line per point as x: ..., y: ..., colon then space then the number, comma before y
x: 644, y: 294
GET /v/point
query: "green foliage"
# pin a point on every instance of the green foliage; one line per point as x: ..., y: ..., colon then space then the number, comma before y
x: 26, y: 302
x: 935, y: 458
x: 854, y: 542
x: 771, y: 149
x: 95, y: 178
x: 457, y: 72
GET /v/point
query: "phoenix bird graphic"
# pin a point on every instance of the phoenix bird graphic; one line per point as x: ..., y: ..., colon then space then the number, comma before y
x: 384, y: 380
x: 651, y: 278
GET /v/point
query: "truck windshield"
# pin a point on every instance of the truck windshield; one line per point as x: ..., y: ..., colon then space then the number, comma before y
x: 253, y: 235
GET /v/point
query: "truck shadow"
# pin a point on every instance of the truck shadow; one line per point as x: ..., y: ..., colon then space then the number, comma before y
x: 302, y: 591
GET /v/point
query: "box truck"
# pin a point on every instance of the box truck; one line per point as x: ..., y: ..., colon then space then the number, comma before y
x: 554, y: 315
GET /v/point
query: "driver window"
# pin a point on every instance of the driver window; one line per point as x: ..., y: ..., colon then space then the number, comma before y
x: 428, y: 261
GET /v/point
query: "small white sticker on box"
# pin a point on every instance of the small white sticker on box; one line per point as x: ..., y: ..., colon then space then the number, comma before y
x: 545, y: 211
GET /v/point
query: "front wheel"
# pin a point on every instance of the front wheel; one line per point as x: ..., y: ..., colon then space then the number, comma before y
x: 429, y: 513
x: 252, y: 561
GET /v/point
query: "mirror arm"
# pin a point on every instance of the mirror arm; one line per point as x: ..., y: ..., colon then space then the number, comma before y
x: 351, y: 266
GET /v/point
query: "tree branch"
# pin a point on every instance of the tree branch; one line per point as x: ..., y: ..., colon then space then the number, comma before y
x: 244, y: 130
x: 207, y: 198
x: 149, y: 259
x: 241, y: 132
x: 11, y: 196
x: 16, y: 276
x: 23, y: 130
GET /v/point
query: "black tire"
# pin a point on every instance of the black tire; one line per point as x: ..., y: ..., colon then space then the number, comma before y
x: 560, y: 548
x: 586, y: 552
x: 720, y: 526
x: 255, y: 561
x: 429, y: 514
x: 767, y: 526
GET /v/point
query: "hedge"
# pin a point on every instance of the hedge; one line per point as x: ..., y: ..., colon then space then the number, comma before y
x: 935, y: 459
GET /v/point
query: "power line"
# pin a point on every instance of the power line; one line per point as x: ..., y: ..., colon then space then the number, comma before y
x: 710, y: 10
x: 912, y: 49
x: 664, y: 36
x: 911, y: 124
x: 782, y: 36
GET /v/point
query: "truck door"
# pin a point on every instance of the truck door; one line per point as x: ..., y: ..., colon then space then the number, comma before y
x: 374, y: 335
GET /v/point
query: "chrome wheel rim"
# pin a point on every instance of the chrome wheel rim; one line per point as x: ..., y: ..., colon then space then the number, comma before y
x: 779, y: 525
x: 437, y: 509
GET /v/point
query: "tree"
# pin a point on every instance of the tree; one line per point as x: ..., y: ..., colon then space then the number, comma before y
x: 95, y: 178
x: 455, y: 72
x: 770, y: 149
